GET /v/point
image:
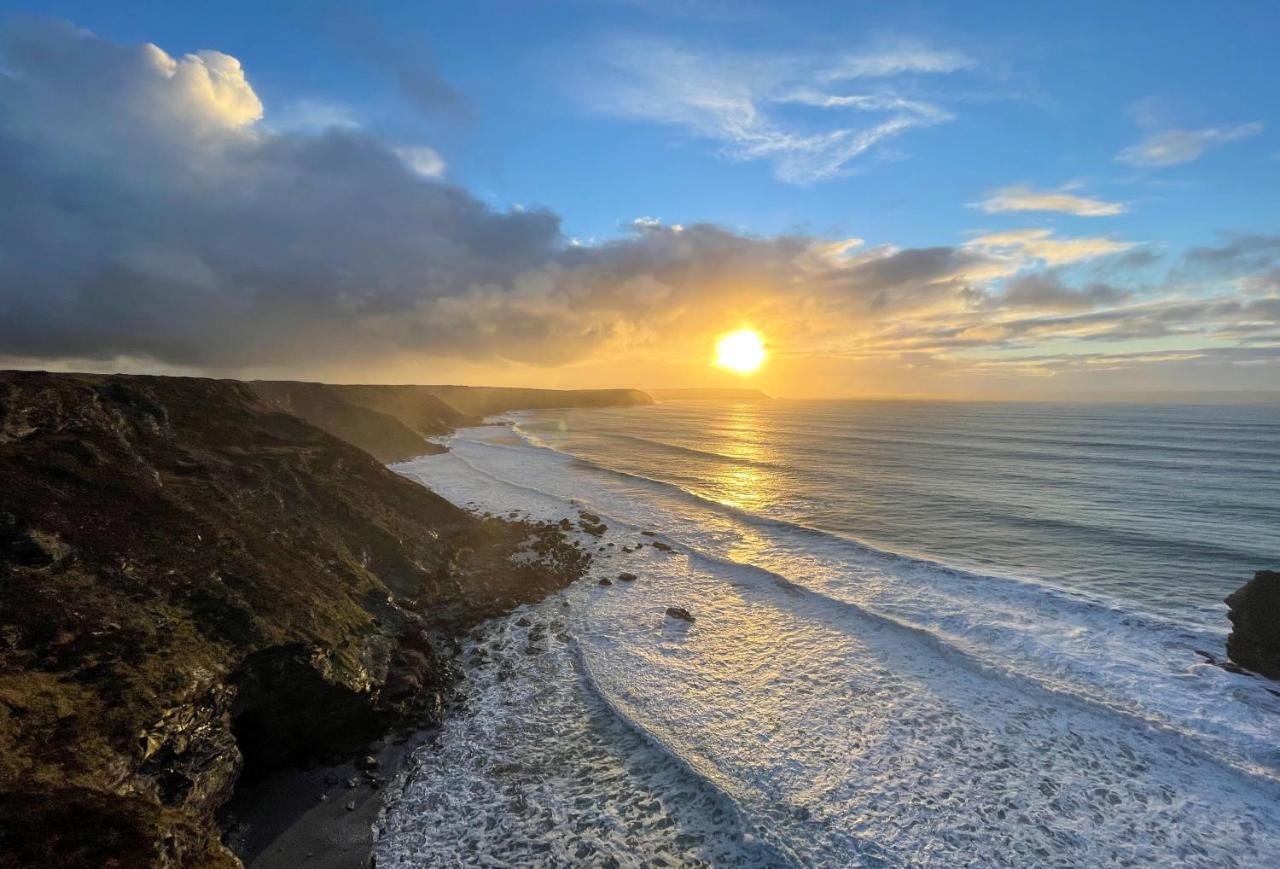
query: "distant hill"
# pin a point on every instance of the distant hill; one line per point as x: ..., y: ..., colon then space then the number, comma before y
x: 391, y: 423
x: 704, y: 394
x: 486, y: 400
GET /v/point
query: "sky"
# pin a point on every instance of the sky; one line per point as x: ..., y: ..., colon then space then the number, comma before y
x: 908, y: 199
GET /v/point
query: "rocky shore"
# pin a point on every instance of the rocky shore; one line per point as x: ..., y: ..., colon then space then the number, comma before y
x: 203, y: 583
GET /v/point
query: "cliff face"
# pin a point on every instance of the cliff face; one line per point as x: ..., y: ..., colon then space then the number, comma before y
x: 478, y: 401
x: 391, y: 422
x: 1254, y: 642
x: 195, y: 586
x: 383, y: 435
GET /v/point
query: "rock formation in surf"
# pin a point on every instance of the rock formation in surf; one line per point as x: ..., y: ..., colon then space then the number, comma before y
x: 1254, y: 611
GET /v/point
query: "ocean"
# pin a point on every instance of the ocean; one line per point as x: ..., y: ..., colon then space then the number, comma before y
x: 925, y: 633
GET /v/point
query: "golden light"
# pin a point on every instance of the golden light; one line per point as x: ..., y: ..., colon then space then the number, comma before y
x: 741, y: 352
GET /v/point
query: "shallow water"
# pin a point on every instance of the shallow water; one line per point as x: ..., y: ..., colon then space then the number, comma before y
x: 840, y: 703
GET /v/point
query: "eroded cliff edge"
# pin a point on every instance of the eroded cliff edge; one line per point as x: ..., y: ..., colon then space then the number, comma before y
x: 196, y: 585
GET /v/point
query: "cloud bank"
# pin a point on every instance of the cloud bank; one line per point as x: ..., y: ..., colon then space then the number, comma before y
x: 153, y: 211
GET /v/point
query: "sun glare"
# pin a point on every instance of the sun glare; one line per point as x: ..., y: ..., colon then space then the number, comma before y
x: 741, y: 352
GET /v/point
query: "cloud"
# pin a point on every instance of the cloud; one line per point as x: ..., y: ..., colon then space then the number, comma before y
x: 423, y: 160
x: 1039, y: 244
x: 1046, y: 291
x: 739, y: 100
x: 314, y: 116
x: 1175, y: 146
x: 1022, y: 198
x: 153, y: 213
x: 899, y: 57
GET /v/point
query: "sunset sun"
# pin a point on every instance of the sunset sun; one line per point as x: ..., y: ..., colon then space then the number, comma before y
x: 741, y: 351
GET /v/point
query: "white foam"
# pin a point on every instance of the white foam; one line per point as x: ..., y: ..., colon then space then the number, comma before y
x: 863, y: 707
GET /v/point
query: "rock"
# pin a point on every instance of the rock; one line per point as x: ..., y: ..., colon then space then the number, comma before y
x: 658, y: 544
x: 351, y: 806
x: 649, y: 533
x: 628, y: 577
x: 679, y: 612
x: 1254, y: 611
x: 523, y: 622
x: 367, y: 762
x: 353, y: 783
x: 604, y: 580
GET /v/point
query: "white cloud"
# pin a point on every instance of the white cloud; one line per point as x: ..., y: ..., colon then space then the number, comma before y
x: 897, y: 58
x: 737, y: 100
x: 425, y: 161
x: 1039, y: 244
x: 313, y: 116
x: 208, y: 82
x: 1023, y: 198
x: 1174, y: 146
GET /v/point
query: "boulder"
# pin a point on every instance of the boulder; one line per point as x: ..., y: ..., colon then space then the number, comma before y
x: 1254, y: 610
x: 606, y: 581
x: 679, y: 612
x: 627, y: 577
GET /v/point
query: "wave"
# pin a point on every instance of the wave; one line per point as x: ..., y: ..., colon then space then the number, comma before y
x: 953, y: 607
x: 789, y: 526
x: 856, y: 705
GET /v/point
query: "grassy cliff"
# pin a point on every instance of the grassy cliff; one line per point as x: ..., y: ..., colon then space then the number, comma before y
x: 196, y: 585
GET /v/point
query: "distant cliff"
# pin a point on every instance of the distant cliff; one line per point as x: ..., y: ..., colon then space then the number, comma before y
x: 196, y: 585
x: 391, y: 422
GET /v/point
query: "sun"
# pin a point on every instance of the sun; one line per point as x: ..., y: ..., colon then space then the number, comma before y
x: 741, y: 351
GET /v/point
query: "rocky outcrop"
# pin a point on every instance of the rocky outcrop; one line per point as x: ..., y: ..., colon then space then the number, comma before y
x: 1254, y: 610
x: 197, y: 587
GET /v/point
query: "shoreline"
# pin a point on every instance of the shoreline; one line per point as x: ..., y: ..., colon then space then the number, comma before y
x: 207, y: 595
x: 322, y: 817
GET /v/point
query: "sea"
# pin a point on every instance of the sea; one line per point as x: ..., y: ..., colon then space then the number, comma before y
x: 924, y: 634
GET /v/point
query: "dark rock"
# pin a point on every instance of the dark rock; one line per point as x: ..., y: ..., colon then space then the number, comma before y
x: 523, y: 622
x: 679, y: 612
x: 217, y: 589
x: 1254, y: 611
x: 649, y: 533
x: 659, y: 545
x: 628, y: 577
x: 366, y: 763
x: 604, y: 580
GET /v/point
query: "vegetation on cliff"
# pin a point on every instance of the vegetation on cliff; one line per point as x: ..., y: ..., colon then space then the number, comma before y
x: 196, y: 586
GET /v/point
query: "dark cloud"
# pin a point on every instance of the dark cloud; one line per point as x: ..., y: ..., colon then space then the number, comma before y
x: 1045, y: 290
x: 1238, y: 254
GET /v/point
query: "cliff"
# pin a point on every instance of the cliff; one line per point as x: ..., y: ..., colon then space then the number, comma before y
x: 1254, y: 611
x: 392, y: 422
x: 195, y: 587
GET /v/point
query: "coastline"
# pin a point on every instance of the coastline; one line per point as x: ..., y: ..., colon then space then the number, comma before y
x: 211, y: 605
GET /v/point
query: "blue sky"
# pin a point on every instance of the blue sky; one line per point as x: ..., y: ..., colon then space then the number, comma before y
x: 1096, y: 143
x: 1051, y: 96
